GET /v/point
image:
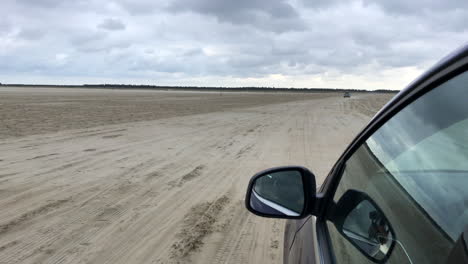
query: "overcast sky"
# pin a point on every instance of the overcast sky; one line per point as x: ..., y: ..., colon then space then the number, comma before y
x: 326, y: 43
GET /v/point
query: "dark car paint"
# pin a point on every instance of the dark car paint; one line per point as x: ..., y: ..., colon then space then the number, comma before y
x: 304, y: 245
x: 301, y: 236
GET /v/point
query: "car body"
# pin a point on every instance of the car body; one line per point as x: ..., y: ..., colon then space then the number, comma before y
x: 347, y: 95
x: 398, y: 193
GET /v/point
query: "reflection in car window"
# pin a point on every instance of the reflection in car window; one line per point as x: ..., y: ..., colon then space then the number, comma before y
x: 440, y: 183
x: 415, y: 167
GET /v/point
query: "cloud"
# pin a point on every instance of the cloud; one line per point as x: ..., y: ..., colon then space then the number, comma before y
x: 322, y: 4
x: 5, y: 26
x: 112, y: 24
x: 41, y: 3
x: 31, y: 33
x: 273, y: 15
x: 403, y: 7
x: 335, y: 43
x: 141, y: 7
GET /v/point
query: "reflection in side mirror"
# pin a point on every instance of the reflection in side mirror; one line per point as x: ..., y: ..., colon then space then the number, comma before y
x: 280, y: 192
x: 362, y: 223
x: 283, y: 192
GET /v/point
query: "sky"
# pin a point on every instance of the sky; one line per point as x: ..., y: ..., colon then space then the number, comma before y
x: 357, y: 44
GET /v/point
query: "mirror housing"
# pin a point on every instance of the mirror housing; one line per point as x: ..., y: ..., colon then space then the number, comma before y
x: 282, y: 192
x: 358, y: 219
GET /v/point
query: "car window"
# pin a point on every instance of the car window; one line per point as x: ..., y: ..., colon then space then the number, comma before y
x: 415, y: 168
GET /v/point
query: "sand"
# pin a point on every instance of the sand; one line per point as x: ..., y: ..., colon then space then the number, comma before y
x: 111, y: 176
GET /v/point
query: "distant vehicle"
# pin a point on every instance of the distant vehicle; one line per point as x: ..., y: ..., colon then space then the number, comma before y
x: 347, y: 95
x: 398, y: 194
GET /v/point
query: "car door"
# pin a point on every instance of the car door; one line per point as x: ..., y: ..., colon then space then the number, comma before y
x: 413, y: 165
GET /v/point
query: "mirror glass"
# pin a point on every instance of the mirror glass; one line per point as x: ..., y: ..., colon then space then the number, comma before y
x: 369, y: 230
x: 278, y: 193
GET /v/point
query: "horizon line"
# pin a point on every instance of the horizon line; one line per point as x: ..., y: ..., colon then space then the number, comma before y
x: 148, y: 86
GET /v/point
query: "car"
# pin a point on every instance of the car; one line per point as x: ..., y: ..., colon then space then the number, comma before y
x: 398, y: 193
x: 347, y: 95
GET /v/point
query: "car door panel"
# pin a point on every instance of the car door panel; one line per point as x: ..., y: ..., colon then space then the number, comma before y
x: 303, y: 249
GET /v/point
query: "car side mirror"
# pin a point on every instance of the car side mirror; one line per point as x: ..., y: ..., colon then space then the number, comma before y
x: 358, y: 218
x: 281, y: 192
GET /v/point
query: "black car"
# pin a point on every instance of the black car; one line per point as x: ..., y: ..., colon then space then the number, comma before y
x: 347, y: 95
x: 399, y: 192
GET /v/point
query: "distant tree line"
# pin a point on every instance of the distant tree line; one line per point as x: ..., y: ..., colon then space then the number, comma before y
x: 202, y: 88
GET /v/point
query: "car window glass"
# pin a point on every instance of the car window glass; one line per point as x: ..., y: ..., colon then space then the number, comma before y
x: 415, y: 167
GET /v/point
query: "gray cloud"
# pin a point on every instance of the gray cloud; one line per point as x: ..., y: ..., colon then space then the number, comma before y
x: 31, y: 33
x: 274, y: 15
x: 41, y: 3
x: 84, y: 38
x: 112, y: 24
x: 5, y: 26
x: 403, y: 7
x: 142, y: 7
x: 322, y: 4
